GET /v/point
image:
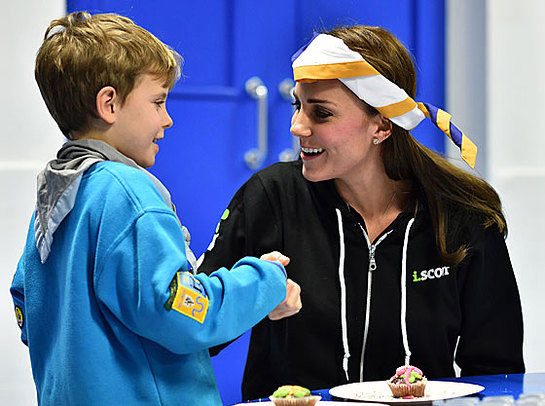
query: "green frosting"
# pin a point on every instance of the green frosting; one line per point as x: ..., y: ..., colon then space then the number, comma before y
x: 281, y: 392
x: 294, y: 391
x: 415, y: 376
x: 300, y: 393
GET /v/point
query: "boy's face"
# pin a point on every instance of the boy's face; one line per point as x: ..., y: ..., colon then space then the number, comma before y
x: 141, y: 121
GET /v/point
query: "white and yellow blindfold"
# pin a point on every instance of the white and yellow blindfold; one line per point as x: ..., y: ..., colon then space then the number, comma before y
x: 328, y: 57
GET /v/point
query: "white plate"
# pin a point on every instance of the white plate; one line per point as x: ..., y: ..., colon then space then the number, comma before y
x: 378, y: 391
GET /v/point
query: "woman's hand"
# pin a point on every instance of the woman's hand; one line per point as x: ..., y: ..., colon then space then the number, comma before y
x: 291, y: 305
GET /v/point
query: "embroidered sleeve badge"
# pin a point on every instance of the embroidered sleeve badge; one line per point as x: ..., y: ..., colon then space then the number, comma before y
x: 20, y: 317
x: 187, y: 296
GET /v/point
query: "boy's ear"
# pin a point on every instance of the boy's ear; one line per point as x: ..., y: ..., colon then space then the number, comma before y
x: 383, y: 129
x: 106, y: 104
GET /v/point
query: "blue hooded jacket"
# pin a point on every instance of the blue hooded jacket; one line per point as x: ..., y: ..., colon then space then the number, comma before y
x: 115, y: 315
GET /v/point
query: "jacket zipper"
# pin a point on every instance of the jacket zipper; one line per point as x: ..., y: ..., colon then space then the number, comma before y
x: 372, y: 267
x: 372, y: 262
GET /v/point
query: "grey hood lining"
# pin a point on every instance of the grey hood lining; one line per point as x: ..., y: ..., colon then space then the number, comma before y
x: 58, y: 185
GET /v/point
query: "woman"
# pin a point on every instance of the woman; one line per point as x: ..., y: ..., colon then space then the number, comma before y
x: 399, y: 255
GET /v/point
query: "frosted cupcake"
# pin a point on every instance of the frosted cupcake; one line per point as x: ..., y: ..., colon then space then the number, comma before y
x: 408, y: 382
x: 293, y: 395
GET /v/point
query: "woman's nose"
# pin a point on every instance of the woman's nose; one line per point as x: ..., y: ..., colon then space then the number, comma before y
x: 299, y: 125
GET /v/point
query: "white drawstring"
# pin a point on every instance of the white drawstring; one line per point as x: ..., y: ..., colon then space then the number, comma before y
x: 404, y: 293
x: 366, y: 326
x: 343, y: 294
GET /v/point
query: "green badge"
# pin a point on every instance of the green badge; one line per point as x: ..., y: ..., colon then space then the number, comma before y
x: 223, y: 217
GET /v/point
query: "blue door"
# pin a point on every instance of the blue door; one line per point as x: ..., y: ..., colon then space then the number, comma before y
x: 235, y: 93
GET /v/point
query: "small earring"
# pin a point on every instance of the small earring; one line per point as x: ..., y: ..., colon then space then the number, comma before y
x: 376, y: 141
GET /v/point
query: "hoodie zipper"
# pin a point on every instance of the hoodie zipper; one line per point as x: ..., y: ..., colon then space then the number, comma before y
x: 372, y: 267
x: 372, y: 262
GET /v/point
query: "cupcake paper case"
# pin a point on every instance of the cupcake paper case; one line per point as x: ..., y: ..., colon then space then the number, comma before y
x: 408, y: 381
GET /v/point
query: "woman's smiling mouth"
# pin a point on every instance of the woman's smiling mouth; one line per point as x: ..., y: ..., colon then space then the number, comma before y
x: 311, y: 152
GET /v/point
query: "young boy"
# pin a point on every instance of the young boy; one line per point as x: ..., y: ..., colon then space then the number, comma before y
x: 104, y: 292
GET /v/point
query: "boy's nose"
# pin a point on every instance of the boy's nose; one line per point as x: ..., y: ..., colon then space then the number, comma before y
x: 168, y: 120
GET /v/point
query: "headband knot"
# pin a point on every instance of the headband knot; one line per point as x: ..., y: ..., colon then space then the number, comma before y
x: 328, y: 57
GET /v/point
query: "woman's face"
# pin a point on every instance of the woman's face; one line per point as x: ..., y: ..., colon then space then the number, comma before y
x: 334, y: 130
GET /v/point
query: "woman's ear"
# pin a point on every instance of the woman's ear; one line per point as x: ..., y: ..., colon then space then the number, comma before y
x: 383, y: 128
x: 106, y: 104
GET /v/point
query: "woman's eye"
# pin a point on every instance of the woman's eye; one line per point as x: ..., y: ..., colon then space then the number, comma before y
x: 160, y: 103
x: 321, y: 113
x: 297, y: 105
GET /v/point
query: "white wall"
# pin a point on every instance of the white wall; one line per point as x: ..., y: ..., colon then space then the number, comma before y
x: 29, y: 138
x: 516, y: 145
x: 496, y: 61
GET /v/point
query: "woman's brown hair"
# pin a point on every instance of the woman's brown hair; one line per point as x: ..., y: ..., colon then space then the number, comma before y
x: 445, y: 187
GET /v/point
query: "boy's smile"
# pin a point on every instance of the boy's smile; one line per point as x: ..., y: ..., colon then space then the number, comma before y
x: 141, y: 120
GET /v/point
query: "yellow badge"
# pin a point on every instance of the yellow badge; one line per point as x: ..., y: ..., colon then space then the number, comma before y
x: 190, y: 299
x: 19, y: 316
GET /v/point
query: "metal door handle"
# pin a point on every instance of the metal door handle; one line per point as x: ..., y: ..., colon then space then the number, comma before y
x: 286, y: 88
x: 256, y: 156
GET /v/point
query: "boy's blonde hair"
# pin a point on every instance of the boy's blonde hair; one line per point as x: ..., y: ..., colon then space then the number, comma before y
x: 82, y: 53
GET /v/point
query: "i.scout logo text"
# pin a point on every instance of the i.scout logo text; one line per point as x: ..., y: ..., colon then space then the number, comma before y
x: 430, y: 274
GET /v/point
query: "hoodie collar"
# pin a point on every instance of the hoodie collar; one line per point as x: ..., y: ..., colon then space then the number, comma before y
x: 59, y: 182
x: 326, y: 193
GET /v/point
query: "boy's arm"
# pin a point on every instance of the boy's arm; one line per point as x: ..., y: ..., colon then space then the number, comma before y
x: 144, y: 282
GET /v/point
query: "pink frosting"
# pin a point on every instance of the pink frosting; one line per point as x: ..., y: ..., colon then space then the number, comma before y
x: 407, y: 369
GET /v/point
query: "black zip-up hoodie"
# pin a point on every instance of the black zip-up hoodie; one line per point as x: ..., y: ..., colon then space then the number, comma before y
x: 368, y: 307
